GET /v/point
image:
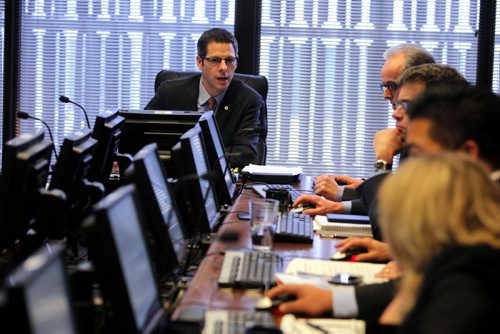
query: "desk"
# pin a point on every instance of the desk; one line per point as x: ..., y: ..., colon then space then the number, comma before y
x: 203, y: 289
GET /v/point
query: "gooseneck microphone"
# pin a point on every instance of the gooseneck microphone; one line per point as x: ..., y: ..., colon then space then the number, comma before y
x: 65, y: 99
x: 25, y: 115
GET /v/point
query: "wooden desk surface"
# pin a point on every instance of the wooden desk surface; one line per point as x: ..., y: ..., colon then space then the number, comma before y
x: 203, y: 289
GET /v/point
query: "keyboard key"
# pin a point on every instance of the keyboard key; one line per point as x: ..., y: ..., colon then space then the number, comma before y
x: 255, y: 269
x: 294, y: 227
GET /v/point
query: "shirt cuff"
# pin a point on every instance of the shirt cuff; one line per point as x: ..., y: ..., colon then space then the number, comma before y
x: 339, y: 194
x: 344, y: 302
x: 347, y: 207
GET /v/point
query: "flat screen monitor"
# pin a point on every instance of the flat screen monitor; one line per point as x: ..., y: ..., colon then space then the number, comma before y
x: 107, y: 131
x: 26, y: 162
x: 72, y: 164
x: 162, y: 221
x: 163, y: 127
x: 194, y: 190
x: 119, y: 252
x: 38, y: 298
x: 217, y: 159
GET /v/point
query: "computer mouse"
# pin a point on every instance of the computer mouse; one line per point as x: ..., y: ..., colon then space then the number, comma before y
x: 299, y: 208
x: 266, y: 303
x: 348, y: 254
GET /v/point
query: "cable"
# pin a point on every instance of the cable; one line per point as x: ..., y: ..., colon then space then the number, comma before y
x: 25, y: 115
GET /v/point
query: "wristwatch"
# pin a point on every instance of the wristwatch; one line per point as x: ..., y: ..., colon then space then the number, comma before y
x: 382, y: 165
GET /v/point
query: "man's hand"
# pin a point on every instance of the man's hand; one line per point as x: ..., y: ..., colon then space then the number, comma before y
x: 326, y: 186
x: 387, y: 143
x: 347, y: 181
x: 311, y: 300
x: 378, y: 251
x: 321, y: 206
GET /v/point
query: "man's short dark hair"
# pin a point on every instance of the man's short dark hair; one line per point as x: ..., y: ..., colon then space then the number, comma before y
x: 459, y: 114
x: 414, y: 54
x: 432, y: 74
x: 217, y: 35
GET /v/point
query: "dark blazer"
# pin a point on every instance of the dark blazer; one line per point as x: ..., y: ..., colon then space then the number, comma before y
x: 460, y: 293
x: 237, y: 115
x: 372, y: 299
x: 358, y: 207
x: 367, y: 192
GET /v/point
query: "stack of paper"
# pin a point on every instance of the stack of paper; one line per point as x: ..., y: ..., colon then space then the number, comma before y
x: 272, y: 174
x: 292, y: 325
x: 312, y: 271
x: 327, y: 228
x: 272, y: 170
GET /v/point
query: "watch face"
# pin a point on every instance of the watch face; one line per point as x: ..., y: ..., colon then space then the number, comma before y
x: 381, y: 165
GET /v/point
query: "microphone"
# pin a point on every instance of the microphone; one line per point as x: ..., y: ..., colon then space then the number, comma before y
x: 65, y: 99
x: 25, y: 115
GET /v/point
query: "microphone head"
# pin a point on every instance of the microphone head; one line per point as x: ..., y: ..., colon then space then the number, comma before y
x: 23, y: 115
x: 210, y: 175
x: 64, y: 99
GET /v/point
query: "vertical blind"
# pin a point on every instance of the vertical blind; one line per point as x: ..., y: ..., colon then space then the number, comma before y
x: 496, y: 57
x: 105, y: 54
x: 322, y: 60
x: 2, y: 65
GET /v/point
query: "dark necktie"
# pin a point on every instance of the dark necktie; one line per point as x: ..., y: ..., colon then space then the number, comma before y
x: 212, y: 104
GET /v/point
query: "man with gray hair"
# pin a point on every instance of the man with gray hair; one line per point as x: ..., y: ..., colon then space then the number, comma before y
x: 399, y: 58
x: 344, y: 199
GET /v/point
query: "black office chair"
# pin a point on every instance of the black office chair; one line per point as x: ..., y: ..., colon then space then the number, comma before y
x: 257, y: 82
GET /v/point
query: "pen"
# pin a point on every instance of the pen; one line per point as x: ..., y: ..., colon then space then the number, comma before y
x: 316, y: 327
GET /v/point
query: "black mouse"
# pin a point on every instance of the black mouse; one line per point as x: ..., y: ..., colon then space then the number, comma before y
x: 266, y: 303
x: 348, y: 254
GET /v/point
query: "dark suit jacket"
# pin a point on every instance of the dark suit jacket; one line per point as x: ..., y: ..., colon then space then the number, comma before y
x: 237, y: 115
x: 372, y: 299
x: 459, y: 294
x: 358, y: 207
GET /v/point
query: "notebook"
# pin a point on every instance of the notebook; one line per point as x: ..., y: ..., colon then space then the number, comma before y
x: 308, y: 268
x: 291, y: 324
x: 326, y: 228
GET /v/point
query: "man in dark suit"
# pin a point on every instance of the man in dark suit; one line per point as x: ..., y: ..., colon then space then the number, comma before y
x: 453, y: 118
x: 339, y: 191
x: 236, y: 105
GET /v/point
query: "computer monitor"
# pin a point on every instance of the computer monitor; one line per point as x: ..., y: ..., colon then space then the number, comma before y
x: 217, y: 159
x: 25, y: 168
x: 119, y: 252
x: 163, y: 127
x: 162, y: 224
x: 72, y: 164
x: 37, y: 296
x: 107, y: 131
x: 194, y: 190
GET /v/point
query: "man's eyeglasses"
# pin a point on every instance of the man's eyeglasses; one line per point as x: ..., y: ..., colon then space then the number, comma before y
x: 391, y: 85
x: 403, y: 104
x: 215, y: 61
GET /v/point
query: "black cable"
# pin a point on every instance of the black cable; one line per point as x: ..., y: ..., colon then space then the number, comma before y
x: 25, y: 115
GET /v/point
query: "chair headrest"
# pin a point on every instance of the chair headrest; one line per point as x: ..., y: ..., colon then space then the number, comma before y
x: 257, y: 82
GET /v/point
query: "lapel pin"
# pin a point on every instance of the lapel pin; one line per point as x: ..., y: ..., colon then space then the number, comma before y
x: 226, y: 108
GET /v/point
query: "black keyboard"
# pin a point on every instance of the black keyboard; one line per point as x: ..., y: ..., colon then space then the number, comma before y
x: 238, y: 322
x: 262, y: 188
x: 249, y: 269
x: 294, y: 227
